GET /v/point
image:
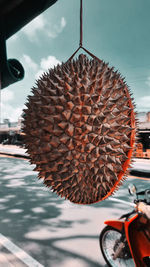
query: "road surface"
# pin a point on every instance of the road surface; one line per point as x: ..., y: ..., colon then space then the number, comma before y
x: 52, y: 230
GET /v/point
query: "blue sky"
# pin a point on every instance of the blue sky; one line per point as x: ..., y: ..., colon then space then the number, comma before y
x: 116, y: 31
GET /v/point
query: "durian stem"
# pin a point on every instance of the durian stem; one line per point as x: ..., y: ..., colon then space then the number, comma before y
x: 92, y: 55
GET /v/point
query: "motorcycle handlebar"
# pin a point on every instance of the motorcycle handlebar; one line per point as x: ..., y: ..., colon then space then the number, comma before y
x: 127, y: 214
x: 140, y: 193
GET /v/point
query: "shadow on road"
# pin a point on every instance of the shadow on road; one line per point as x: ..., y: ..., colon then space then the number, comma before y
x: 52, y: 230
x: 30, y: 215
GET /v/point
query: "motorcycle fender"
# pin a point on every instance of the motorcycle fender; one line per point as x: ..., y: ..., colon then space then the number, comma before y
x: 115, y: 224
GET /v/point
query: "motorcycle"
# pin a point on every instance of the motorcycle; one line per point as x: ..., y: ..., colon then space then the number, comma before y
x: 126, y: 241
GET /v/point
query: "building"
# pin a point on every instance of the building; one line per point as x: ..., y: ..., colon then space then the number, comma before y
x: 143, y: 146
x: 11, y: 133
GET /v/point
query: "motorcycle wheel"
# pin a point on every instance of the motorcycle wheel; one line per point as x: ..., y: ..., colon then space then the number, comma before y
x: 109, y: 241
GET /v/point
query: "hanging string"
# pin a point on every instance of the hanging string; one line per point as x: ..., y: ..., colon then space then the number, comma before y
x: 81, y: 37
x: 81, y: 31
x: 81, y: 23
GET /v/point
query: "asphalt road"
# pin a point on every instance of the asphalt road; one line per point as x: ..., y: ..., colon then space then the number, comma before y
x: 52, y: 230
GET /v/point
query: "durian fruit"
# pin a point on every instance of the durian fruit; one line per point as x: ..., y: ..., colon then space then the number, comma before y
x: 80, y: 129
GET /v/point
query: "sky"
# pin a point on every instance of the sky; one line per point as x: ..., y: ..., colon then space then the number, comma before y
x: 115, y: 31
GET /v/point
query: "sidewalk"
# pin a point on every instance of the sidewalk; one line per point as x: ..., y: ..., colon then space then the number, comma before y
x: 140, y: 167
x: 12, y: 150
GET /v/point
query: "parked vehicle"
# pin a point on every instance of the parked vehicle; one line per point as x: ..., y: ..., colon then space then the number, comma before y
x: 126, y: 242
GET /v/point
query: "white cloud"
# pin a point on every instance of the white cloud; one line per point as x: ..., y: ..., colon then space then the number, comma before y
x: 39, y: 74
x: 47, y: 63
x: 30, y: 63
x: 143, y: 103
x: 63, y: 22
x: 34, y: 26
x: 6, y: 95
x: 41, y: 24
x: 8, y: 111
x: 11, y: 113
x: 30, y: 66
x: 57, y: 28
x: 148, y: 81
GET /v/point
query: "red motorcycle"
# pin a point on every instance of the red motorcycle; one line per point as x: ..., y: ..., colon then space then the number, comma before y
x: 126, y: 242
